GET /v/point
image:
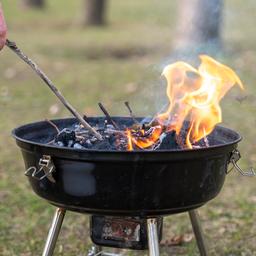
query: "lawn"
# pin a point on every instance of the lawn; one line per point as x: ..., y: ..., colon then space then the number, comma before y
x: 119, y: 62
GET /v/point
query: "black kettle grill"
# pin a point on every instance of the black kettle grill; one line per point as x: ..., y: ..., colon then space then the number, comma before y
x: 127, y: 193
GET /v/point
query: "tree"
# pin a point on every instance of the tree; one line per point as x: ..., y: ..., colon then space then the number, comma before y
x: 199, y: 23
x: 34, y: 3
x: 94, y: 12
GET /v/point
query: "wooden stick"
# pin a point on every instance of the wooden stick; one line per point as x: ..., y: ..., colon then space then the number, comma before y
x: 130, y: 112
x: 53, y: 125
x: 42, y: 75
x: 116, y: 131
x: 110, y: 120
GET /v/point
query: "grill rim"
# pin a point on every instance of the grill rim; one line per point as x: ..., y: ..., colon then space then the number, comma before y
x: 115, y: 155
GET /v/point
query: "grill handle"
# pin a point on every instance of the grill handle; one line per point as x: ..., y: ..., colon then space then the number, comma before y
x: 235, y: 156
x: 46, y: 167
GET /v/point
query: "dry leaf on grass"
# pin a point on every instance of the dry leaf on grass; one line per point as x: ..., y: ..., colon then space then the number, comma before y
x: 54, y: 109
x: 177, y: 240
x: 10, y: 73
x: 131, y: 87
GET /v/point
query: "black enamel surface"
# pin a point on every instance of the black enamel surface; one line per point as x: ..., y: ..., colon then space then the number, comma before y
x: 138, y: 183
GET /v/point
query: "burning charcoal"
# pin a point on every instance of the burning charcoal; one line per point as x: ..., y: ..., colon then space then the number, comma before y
x: 169, y: 141
x: 101, y: 129
x: 65, y: 136
x: 70, y: 143
x: 78, y: 146
x: 93, y: 139
x: 88, y: 142
x: 161, y: 138
x: 60, y: 144
x: 101, y: 145
x: 77, y: 127
x: 110, y: 126
x: 204, y: 142
x: 181, y: 137
x: 112, y: 139
x: 86, y: 145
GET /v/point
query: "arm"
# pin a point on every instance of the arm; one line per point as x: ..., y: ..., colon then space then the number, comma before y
x: 3, y: 29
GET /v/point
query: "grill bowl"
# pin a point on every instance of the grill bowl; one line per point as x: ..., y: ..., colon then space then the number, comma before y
x: 136, y: 183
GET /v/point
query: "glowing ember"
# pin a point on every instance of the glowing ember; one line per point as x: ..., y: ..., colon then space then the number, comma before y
x: 194, y: 96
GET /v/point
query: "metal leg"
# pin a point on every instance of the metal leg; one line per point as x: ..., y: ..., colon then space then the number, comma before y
x: 95, y: 250
x: 153, y: 242
x: 54, y: 232
x: 197, y: 228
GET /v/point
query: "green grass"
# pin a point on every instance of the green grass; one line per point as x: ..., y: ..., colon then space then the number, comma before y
x: 112, y: 64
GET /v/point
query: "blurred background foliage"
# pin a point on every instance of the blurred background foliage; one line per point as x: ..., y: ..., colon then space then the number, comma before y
x: 121, y: 60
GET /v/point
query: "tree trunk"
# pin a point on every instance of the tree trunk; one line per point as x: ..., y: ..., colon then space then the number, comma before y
x: 34, y: 3
x: 95, y: 12
x: 199, y: 23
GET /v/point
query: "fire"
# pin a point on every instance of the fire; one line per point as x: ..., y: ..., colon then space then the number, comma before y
x: 194, y: 96
x: 142, y: 138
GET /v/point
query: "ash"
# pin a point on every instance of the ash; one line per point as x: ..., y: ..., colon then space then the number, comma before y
x: 80, y: 138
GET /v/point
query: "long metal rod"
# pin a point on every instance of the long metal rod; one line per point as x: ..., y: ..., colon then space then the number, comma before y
x: 198, y: 231
x: 153, y: 241
x: 12, y: 45
x: 54, y: 232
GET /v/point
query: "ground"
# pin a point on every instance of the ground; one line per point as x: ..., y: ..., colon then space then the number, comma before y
x: 119, y: 62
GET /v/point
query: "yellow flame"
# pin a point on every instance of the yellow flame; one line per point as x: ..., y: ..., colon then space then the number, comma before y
x: 194, y: 96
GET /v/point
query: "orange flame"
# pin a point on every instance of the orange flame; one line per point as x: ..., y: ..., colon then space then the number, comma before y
x: 142, y: 141
x: 194, y: 95
x: 129, y: 140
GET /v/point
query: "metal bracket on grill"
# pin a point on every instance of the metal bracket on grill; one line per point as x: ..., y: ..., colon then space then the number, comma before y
x: 235, y: 156
x: 46, y: 166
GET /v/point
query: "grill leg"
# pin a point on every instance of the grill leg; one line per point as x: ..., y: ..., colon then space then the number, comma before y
x: 197, y: 228
x: 95, y: 250
x: 54, y: 232
x: 153, y: 241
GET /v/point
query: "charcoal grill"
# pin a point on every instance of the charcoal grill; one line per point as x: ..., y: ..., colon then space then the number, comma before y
x: 132, y: 186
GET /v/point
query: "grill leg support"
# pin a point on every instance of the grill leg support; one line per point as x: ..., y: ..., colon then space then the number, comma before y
x: 54, y: 232
x: 153, y: 241
x: 95, y: 250
x: 197, y: 228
